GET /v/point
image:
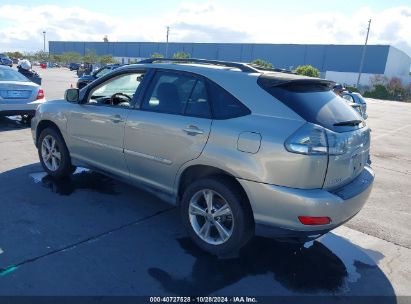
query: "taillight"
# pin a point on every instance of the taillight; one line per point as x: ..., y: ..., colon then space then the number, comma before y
x: 312, y: 139
x: 314, y: 220
x: 40, y: 94
x: 337, y: 142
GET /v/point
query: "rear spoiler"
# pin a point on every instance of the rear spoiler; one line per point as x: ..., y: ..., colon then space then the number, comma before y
x: 267, y: 81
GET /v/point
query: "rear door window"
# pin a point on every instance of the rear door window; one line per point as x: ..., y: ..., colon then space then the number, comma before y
x: 198, y: 103
x: 177, y: 93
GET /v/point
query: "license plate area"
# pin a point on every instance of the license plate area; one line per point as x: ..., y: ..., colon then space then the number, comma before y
x: 15, y: 94
x: 343, y: 168
x: 358, y: 161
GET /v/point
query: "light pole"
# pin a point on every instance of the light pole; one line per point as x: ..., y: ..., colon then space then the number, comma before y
x: 363, y: 54
x: 44, y: 41
x: 168, y: 31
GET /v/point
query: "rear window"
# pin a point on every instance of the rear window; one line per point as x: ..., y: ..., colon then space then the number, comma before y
x: 316, y: 103
x: 360, y: 99
x: 12, y: 75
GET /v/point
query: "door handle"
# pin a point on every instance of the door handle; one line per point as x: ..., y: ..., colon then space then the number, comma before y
x: 193, y: 130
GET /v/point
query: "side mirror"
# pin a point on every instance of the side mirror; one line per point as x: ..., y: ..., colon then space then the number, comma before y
x: 72, y: 95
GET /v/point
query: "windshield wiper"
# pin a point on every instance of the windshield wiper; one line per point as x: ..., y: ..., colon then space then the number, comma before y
x: 348, y: 123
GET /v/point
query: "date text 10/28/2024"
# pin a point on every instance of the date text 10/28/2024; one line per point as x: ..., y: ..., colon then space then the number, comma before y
x: 203, y: 300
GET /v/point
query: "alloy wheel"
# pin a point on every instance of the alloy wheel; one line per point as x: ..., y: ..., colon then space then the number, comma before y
x: 50, y: 153
x: 211, y: 217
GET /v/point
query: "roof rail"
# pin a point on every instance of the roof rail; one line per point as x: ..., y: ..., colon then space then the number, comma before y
x: 241, y: 66
x: 261, y: 68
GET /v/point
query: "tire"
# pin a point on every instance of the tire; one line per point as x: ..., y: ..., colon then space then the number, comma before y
x: 59, y: 167
x: 27, y: 118
x: 204, y: 227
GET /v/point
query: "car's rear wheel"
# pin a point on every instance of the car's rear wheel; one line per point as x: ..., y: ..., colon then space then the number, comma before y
x: 216, y: 215
x: 53, y: 154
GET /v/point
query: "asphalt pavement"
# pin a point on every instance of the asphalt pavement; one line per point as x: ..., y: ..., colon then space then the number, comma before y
x: 92, y: 235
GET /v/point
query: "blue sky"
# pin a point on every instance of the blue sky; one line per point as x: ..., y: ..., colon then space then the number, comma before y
x: 131, y: 8
x: 263, y: 21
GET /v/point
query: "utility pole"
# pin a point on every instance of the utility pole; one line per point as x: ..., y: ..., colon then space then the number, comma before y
x: 44, y: 42
x: 168, y: 31
x: 363, y: 54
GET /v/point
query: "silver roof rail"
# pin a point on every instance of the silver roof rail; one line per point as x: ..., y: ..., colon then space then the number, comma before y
x: 241, y: 66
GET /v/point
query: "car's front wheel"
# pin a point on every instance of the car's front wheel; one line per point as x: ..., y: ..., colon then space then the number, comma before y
x: 53, y: 154
x: 216, y: 215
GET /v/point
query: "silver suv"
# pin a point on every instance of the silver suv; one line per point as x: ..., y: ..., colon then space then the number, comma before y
x: 241, y: 150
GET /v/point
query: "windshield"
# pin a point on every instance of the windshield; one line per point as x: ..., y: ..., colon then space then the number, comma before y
x: 11, y: 75
x: 103, y: 71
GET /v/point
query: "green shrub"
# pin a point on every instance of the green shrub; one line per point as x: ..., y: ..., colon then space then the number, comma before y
x: 307, y: 70
x: 181, y: 55
x: 262, y: 63
x: 157, y: 55
x: 393, y: 90
x: 379, y: 92
x: 106, y: 59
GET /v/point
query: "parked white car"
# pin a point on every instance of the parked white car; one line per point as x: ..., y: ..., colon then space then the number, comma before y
x: 18, y: 95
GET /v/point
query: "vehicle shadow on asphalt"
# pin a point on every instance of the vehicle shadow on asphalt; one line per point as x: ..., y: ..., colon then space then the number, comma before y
x: 314, y: 270
x: 9, y: 123
x: 333, y: 266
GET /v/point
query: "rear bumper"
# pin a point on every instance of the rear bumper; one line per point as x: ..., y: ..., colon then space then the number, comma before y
x: 276, y: 209
x: 18, y: 112
x: 19, y: 107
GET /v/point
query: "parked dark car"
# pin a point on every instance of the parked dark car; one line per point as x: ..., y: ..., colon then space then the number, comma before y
x: 86, y: 79
x: 74, y: 66
x: 5, y: 60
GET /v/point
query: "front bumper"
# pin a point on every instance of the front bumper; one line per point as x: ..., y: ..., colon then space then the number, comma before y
x: 276, y: 209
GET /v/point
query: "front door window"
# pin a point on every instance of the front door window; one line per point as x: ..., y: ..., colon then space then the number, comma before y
x: 118, y: 91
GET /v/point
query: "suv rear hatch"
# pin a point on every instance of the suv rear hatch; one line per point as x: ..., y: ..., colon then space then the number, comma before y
x: 333, y: 127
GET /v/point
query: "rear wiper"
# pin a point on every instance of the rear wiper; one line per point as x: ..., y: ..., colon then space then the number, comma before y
x: 348, y: 123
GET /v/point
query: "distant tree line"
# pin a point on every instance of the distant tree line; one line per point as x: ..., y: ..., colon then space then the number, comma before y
x: 92, y: 57
x: 66, y: 57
